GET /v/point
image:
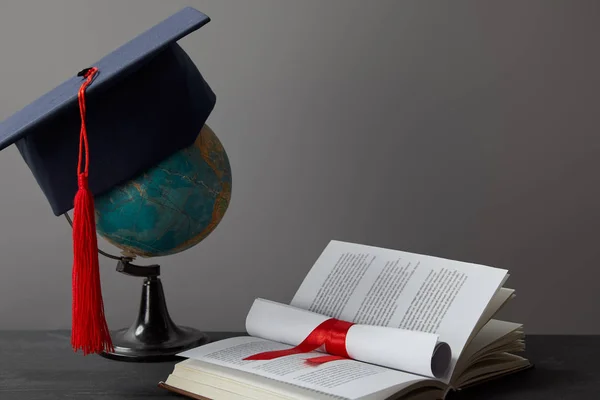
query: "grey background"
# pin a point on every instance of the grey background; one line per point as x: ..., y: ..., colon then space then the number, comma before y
x: 463, y: 129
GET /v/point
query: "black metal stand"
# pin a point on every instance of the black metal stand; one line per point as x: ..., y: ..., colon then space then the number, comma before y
x: 153, y: 336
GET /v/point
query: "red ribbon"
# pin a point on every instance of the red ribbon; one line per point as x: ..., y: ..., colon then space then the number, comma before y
x: 331, y: 333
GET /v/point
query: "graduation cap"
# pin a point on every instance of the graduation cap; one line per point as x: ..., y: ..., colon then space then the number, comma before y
x: 105, y: 125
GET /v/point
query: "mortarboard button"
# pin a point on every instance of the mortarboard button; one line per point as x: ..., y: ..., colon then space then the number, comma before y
x: 83, y: 71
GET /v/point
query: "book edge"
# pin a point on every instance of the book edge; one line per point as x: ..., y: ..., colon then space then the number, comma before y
x: 182, y: 392
x: 499, y: 376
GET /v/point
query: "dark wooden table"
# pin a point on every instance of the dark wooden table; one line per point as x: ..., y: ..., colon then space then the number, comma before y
x: 42, y: 366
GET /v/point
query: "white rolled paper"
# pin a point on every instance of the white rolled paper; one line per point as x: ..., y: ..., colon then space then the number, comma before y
x: 411, y: 351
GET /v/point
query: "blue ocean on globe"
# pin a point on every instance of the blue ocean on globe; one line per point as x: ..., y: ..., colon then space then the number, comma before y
x: 172, y: 206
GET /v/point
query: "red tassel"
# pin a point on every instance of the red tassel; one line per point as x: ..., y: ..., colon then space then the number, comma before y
x: 89, y: 328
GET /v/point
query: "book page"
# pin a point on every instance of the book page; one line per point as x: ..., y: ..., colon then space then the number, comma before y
x: 502, y: 296
x: 411, y: 351
x: 344, y: 378
x: 494, y: 331
x: 375, y: 286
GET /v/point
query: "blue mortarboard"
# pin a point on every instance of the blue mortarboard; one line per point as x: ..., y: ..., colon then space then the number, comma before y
x: 135, y: 107
x: 147, y: 101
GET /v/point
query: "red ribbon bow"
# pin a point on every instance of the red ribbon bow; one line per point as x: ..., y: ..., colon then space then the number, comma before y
x: 331, y: 333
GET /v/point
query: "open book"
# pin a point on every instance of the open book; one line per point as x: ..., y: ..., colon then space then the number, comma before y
x: 420, y: 326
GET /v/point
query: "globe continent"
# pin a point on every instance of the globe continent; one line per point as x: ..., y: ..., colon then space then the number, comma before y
x: 172, y: 206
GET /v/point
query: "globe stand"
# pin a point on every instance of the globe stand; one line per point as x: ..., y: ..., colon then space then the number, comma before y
x: 153, y: 336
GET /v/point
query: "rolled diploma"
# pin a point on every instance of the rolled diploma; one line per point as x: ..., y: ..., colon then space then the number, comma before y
x: 410, y: 351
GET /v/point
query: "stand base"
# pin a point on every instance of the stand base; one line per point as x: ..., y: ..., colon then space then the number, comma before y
x: 153, y: 336
x: 128, y: 347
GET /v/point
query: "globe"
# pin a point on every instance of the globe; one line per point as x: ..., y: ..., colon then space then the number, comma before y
x: 172, y: 206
